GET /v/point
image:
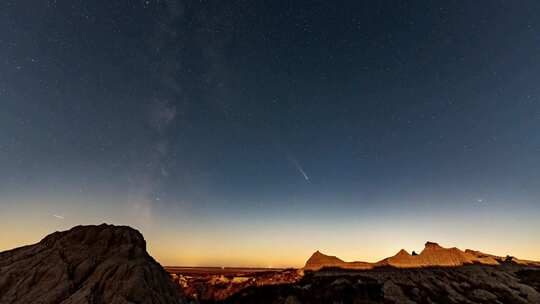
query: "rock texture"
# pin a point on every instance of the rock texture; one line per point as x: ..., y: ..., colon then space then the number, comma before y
x: 87, y: 264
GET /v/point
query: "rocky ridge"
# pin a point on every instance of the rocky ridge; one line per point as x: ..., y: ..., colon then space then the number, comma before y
x: 433, y: 255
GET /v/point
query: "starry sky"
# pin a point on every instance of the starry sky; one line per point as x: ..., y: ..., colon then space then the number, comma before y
x: 252, y: 133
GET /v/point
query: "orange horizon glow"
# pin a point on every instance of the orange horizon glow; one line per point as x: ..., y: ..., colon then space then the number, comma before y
x: 166, y: 256
x: 241, y: 254
x: 281, y: 242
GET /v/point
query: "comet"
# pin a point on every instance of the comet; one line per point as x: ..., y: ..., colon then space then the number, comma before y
x: 298, y: 167
x: 306, y: 177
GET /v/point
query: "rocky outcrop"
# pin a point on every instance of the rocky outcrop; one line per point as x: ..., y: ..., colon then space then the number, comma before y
x: 87, y: 264
x: 319, y: 260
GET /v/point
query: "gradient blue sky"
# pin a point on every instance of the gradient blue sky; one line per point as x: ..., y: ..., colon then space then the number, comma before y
x: 252, y: 134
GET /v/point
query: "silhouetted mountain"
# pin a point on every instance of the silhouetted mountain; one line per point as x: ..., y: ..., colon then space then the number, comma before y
x: 87, y: 264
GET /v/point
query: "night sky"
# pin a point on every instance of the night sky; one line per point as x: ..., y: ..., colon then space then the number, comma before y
x: 256, y: 132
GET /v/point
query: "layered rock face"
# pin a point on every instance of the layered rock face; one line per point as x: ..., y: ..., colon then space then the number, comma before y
x: 87, y: 264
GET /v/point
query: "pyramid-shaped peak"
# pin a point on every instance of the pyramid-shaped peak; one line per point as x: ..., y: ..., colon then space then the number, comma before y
x: 403, y: 252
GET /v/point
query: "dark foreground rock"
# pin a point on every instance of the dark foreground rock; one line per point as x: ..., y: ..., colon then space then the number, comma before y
x: 87, y: 264
x: 465, y: 284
